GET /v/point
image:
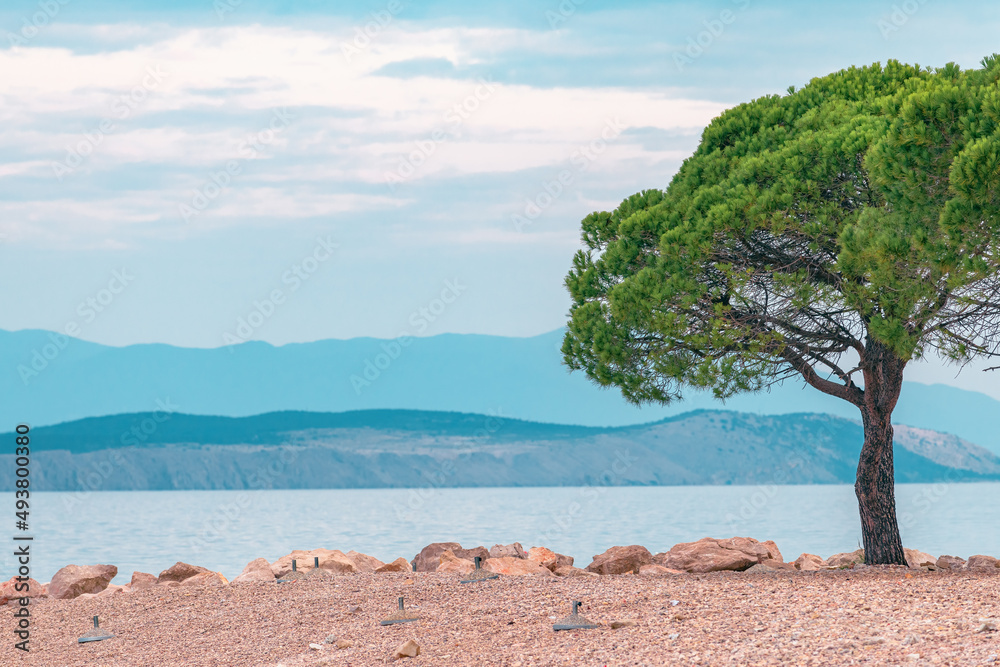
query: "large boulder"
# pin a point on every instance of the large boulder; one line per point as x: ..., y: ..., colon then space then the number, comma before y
x: 772, y: 564
x: 334, y: 561
x: 508, y: 551
x: 256, y: 570
x: 950, y: 563
x: 549, y: 559
x: 429, y: 557
x: 713, y: 555
x: 449, y: 562
x: 980, y: 561
x: 470, y: 554
x: 843, y: 561
x: 516, y: 567
x: 917, y: 559
x: 76, y: 580
x: 205, y: 579
x: 772, y: 549
x: 398, y: 565
x: 621, y: 560
x: 8, y: 590
x: 179, y: 572
x: 364, y: 562
x: 141, y: 581
x: 809, y: 563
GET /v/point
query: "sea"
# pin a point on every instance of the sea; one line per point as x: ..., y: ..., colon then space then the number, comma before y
x: 149, y: 531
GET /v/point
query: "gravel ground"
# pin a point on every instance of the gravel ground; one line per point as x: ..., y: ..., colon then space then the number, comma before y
x: 873, y: 616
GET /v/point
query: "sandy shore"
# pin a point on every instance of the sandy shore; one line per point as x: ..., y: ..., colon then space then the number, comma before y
x: 876, y: 617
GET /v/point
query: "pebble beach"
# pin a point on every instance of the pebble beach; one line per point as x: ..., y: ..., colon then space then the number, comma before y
x: 872, y: 616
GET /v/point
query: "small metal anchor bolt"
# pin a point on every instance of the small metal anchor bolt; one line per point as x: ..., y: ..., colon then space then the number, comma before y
x: 95, y: 635
x: 401, y: 616
x: 574, y: 621
x: 293, y: 575
x: 479, y: 574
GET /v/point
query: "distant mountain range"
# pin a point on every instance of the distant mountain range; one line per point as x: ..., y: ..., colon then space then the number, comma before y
x: 400, y: 448
x: 48, y: 379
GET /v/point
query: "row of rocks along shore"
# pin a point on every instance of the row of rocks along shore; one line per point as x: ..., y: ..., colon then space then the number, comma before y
x: 737, y: 554
x: 714, y: 601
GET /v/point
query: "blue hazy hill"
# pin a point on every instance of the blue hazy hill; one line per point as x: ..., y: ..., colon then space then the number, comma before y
x: 520, y: 378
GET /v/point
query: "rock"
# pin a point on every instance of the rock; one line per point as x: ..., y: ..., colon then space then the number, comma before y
x: 256, y: 570
x: 549, y: 559
x: 334, y: 561
x: 712, y: 555
x: 620, y: 560
x: 316, y: 647
x: 398, y: 565
x: 516, y: 567
x: 809, y: 563
x: 8, y: 590
x: 508, y: 551
x: 206, y: 578
x: 950, y: 563
x: 842, y: 561
x: 75, y: 580
x: 141, y: 581
x: 544, y: 557
x: 653, y: 570
x: 364, y: 562
x: 179, y: 572
x: 409, y: 649
x: 917, y: 559
x: 773, y: 550
x: 451, y: 563
x: 979, y: 560
x: 470, y: 554
x: 113, y: 589
x: 430, y: 556
x: 343, y: 644
x: 628, y: 623
x: 570, y: 571
x: 772, y: 564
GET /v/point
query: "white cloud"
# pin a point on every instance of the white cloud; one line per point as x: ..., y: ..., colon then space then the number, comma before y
x: 183, y: 101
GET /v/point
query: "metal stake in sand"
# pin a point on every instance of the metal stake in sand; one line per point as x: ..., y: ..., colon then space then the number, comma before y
x: 401, y: 616
x: 293, y: 575
x: 94, y: 635
x: 479, y: 574
x: 574, y: 621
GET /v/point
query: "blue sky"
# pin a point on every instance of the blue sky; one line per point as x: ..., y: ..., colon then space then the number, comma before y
x: 212, y: 149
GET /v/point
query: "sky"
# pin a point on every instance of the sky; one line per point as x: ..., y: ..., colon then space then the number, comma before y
x: 168, y: 172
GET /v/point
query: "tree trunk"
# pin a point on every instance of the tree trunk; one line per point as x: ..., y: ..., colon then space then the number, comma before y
x: 875, y: 486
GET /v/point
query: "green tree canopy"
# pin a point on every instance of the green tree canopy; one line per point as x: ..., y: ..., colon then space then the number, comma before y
x: 833, y: 234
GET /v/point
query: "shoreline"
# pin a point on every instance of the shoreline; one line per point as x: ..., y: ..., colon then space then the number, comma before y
x: 751, y: 618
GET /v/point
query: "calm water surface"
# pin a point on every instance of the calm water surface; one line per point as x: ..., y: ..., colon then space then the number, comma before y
x: 224, y: 530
